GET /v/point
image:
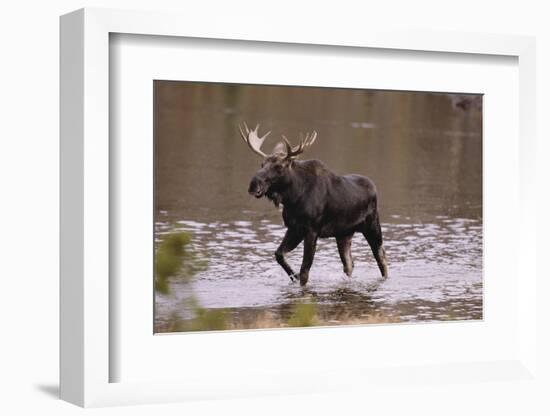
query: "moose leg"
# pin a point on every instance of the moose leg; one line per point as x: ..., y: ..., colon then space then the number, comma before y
x: 344, y: 249
x: 289, y: 243
x: 373, y: 233
x: 310, y: 244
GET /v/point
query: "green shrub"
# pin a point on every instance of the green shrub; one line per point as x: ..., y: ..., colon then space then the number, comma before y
x: 168, y: 259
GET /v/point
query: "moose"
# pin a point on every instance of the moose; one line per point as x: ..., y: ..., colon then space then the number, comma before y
x: 317, y: 203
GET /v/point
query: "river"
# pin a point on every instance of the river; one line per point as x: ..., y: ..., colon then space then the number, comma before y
x: 422, y: 150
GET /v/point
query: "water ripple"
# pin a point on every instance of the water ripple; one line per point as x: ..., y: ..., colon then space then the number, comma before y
x: 435, y: 270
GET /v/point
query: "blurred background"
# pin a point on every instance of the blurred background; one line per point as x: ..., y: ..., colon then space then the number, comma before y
x: 215, y: 243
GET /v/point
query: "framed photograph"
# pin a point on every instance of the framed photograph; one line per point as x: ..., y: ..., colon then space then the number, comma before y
x: 228, y: 212
x: 225, y: 229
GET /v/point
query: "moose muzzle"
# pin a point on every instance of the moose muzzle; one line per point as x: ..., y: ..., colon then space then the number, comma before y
x: 257, y: 187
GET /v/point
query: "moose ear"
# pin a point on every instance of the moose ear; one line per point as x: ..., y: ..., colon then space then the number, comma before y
x: 279, y: 149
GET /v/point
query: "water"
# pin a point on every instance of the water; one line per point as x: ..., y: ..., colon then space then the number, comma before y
x: 422, y: 151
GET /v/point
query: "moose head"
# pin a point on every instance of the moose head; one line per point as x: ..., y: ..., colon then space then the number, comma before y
x: 274, y: 172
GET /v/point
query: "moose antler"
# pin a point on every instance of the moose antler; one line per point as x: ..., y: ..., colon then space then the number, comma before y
x: 293, y: 152
x: 252, y: 139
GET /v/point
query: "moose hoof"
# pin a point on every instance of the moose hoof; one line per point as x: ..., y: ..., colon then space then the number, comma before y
x: 293, y: 277
x: 303, y: 279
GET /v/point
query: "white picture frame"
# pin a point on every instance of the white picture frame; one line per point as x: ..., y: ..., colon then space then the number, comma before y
x: 85, y: 217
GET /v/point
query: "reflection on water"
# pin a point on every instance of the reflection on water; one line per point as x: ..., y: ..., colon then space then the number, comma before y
x: 421, y: 149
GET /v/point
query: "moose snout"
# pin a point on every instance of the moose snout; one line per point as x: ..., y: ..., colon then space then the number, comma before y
x: 256, y: 187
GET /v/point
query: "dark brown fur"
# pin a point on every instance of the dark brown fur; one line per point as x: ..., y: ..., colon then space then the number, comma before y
x: 317, y: 203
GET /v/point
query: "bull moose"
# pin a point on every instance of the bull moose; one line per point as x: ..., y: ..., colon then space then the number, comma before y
x: 317, y: 203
